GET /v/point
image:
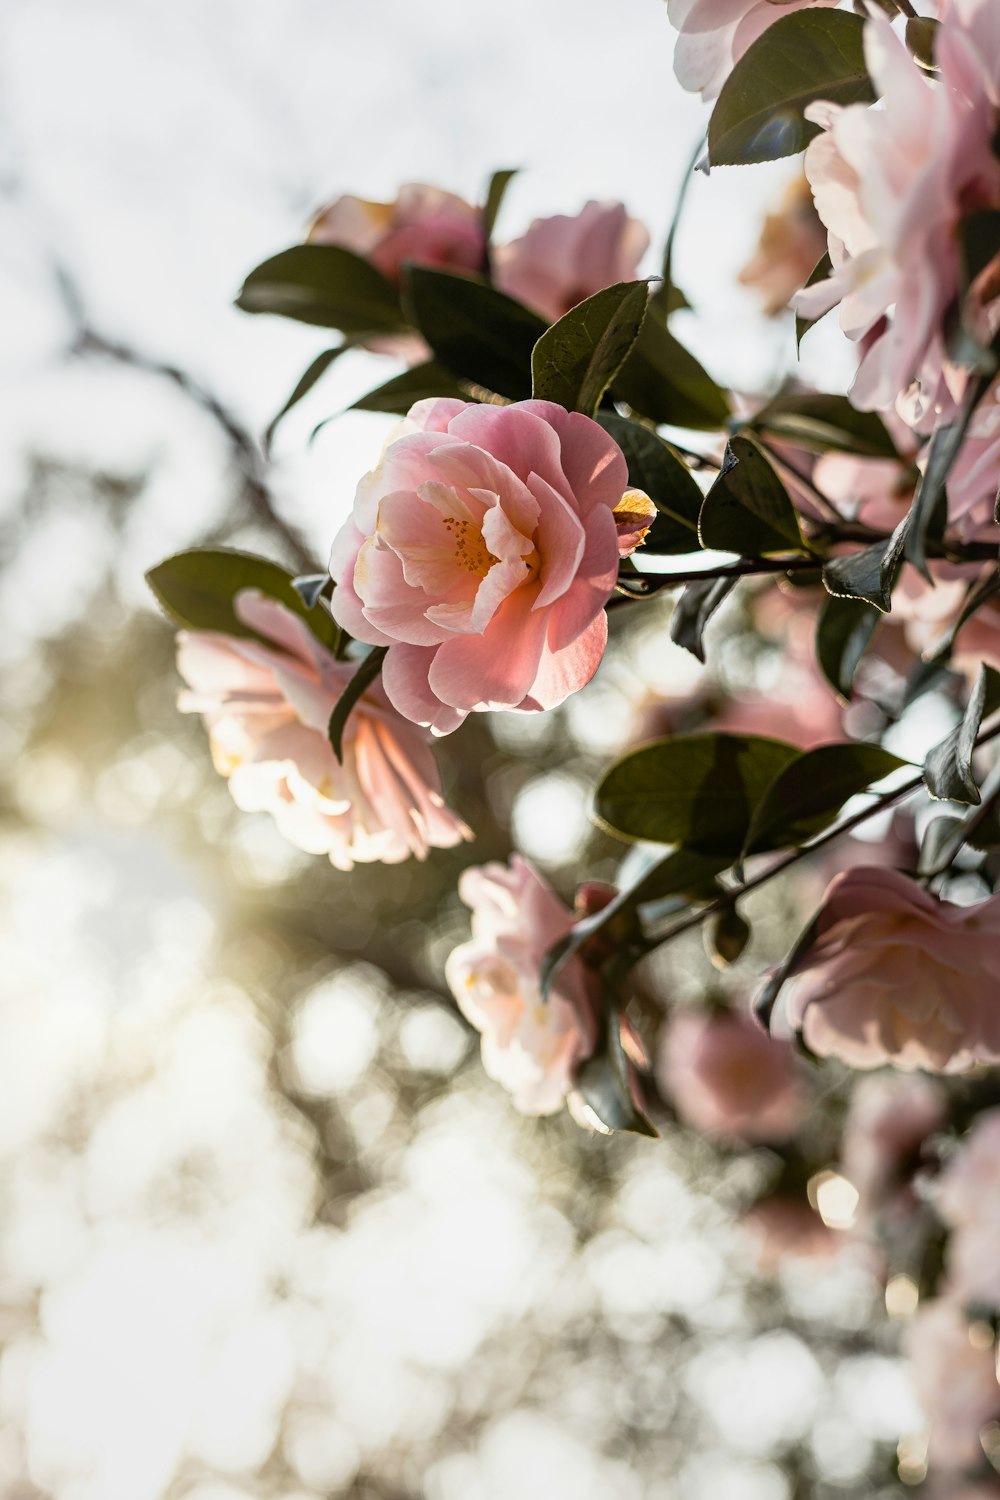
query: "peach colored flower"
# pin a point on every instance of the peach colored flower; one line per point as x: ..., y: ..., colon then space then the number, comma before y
x: 727, y: 1077
x: 956, y: 1383
x: 888, y: 1119
x: 531, y: 1046
x: 481, y: 551
x: 267, y: 710
x: 562, y: 260
x: 714, y: 34
x: 891, y: 184
x: 896, y: 975
x: 425, y: 225
x: 791, y: 242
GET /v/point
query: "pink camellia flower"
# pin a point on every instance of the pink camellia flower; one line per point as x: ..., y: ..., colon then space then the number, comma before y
x: 727, y: 1077
x: 954, y: 1372
x: 531, y: 1046
x: 714, y: 34
x: 891, y: 185
x: 481, y: 551
x: 267, y: 709
x: 425, y: 225
x: 967, y: 1198
x: 974, y: 478
x: 896, y: 975
x: 889, y: 1118
x: 792, y: 240
x: 562, y: 260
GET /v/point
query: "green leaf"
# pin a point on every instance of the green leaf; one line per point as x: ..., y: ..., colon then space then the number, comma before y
x: 325, y: 285
x: 310, y: 587
x: 495, y: 193
x: 197, y: 589
x: 419, y: 383
x: 821, y: 271
x: 748, y: 509
x: 366, y: 674
x: 698, y: 791
x: 726, y: 936
x: 943, y: 837
x: 316, y: 370
x: 576, y: 359
x: 475, y: 331
x: 655, y: 467
x: 603, y: 1083
x: 948, y: 767
x: 921, y: 37
x: 807, y: 795
x: 661, y: 380
x: 844, y: 631
x: 870, y: 574
x: 694, y: 608
x: 944, y: 448
x: 825, y: 423
x: 810, y: 55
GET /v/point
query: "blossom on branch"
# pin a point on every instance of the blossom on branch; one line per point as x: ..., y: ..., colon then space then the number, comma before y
x: 424, y: 224
x: 954, y: 1372
x: 561, y: 260
x: 267, y: 708
x: 727, y: 1077
x: 481, y: 551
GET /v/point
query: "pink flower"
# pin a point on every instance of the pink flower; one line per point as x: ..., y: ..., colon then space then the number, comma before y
x: 714, y: 34
x: 975, y: 476
x: 727, y: 1077
x: 267, y: 710
x: 425, y: 225
x: 891, y: 184
x: 896, y: 975
x: 481, y: 552
x: 531, y: 1046
x: 791, y: 242
x: 968, y: 1200
x: 956, y: 1383
x: 562, y: 260
x: 888, y: 1120
x: 783, y: 1228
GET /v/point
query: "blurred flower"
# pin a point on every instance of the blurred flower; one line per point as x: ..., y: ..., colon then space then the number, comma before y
x: 891, y: 185
x: 974, y: 478
x: 968, y: 1200
x: 481, y: 551
x: 530, y: 1045
x: 956, y: 1383
x: 562, y: 260
x: 791, y: 242
x: 424, y: 225
x: 714, y: 34
x: 267, y: 709
x: 725, y: 1076
x: 888, y: 1119
x: 898, y: 975
x: 783, y: 1228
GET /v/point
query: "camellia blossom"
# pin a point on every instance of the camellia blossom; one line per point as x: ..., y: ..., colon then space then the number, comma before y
x: 481, y: 551
x: 714, y: 34
x: 561, y: 260
x: 531, y: 1046
x: 267, y: 709
x: 896, y: 975
x: 955, y: 1377
x: 791, y: 242
x: 727, y: 1077
x: 888, y: 1119
x: 425, y: 225
x: 891, y: 184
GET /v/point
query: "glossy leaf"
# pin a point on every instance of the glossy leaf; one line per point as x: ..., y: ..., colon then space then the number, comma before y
x: 944, y: 450
x: 366, y: 674
x: 476, y: 332
x: 653, y: 466
x: 698, y: 791
x: 197, y: 588
x: 868, y: 575
x: 748, y: 510
x: 844, y: 631
x: 664, y: 382
x: 921, y: 38
x: 603, y: 1082
x: 824, y: 423
x: 694, y: 608
x: 726, y: 935
x: 807, y: 795
x: 325, y: 285
x: 948, y: 767
x: 821, y: 271
x: 576, y: 359
x: 315, y: 372
x: 809, y: 55
x: 495, y: 194
x: 419, y: 383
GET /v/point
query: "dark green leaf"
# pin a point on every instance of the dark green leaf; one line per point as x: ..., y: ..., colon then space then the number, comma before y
x: 921, y: 36
x: 366, y: 674
x: 603, y: 1084
x: 821, y: 271
x: 197, y: 589
x: 941, y: 841
x: 653, y: 466
x: 325, y: 285
x: 698, y: 791
x: 475, y: 331
x: 978, y: 245
x: 499, y: 183
x: 664, y: 382
x: 825, y: 423
x: 807, y: 795
x: 694, y: 608
x: 748, y: 509
x: 417, y: 384
x: 766, y: 997
x: 810, y: 55
x: 310, y: 587
x: 844, y: 631
x: 868, y: 575
x: 318, y: 368
x: 726, y: 935
x: 948, y: 767
x: 944, y: 449
x: 576, y: 359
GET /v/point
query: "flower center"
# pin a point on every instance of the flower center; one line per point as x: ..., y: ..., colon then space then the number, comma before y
x: 471, y: 551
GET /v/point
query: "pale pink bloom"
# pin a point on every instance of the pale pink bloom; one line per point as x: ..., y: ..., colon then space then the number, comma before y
x: 791, y: 242
x: 267, y: 708
x: 531, y: 1046
x: 424, y: 225
x: 956, y: 1383
x: 714, y: 34
x: 481, y: 551
x: 967, y: 1198
x: 888, y: 1119
x: 891, y: 184
x: 876, y: 491
x: 562, y: 260
x: 974, y: 478
x: 727, y: 1077
x: 896, y: 975
x: 802, y: 709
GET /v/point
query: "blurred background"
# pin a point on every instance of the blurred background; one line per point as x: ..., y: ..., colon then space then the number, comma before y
x: 266, y: 1230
